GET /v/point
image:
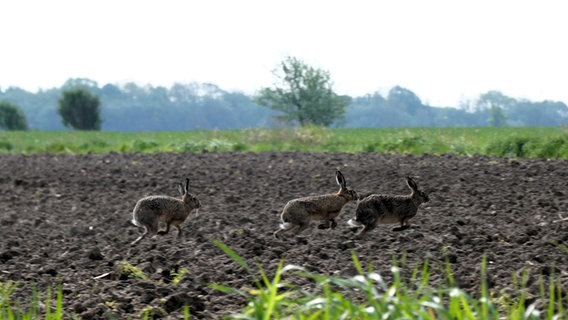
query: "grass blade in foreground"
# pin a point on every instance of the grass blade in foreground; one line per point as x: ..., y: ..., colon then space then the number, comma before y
x: 10, y: 310
x: 368, y: 296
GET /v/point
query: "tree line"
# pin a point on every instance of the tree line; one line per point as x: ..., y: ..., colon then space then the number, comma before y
x: 303, y: 95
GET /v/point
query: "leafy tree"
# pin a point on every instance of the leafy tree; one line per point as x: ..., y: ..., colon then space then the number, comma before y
x: 304, y: 95
x: 363, y: 111
x: 495, y: 98
x: 79, y: 109
x: 80, y: 83
x: 188, y: 106
x: 403, y: 99
x: 111, y: 91
x: 544, y: 113
x: 496, y: 117
x: 12, y: 117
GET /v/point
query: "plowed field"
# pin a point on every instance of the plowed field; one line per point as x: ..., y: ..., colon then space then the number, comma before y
x: 65, y: 219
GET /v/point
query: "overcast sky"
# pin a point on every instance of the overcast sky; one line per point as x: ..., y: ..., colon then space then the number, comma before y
x: 444, y: 51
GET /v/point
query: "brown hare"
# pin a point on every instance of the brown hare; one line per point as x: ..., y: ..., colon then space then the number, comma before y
x: 381, y: 209
x: 152, y: 211
x: 298, y: 213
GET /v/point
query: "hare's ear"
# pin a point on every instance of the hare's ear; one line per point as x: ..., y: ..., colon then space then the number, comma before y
x: 340, y: 180
x: 186, y: 185
x: 411, y: 184
x: 180, y: 189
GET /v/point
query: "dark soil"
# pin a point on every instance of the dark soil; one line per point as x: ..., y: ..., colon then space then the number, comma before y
x: 66, y: 220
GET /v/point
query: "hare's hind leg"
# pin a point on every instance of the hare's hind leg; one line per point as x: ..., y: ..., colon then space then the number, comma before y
x: 361, y: 232
x: 278, y: 232
x: 285, y: 227
x: 295, y: 229
x: 300, y: 228
x: 140, y: 237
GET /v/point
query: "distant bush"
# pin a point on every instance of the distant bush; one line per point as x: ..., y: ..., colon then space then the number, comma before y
x: 554, y: 148
x: 56, y: 147
x: 218, y: 145
x: 141, y: 146
x: 511, y: 147
x: 191, y: 146
x: 239, y: 147
x: 308, y: 135
x: 12, y: 117
x: 93, y: 145
x: 213, y: 145
x: 371, y: 147
x: 80, y: 109
x: 412, y: 144
x: 408, y: 143
x: 549, y: 147
x: 5, y: 145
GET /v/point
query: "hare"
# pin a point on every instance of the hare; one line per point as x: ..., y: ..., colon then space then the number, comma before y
x: 152, y: 211
x: 381, y: 209
x: 298, y: 213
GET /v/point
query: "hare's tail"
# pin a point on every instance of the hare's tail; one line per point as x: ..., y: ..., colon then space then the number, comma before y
x: 286, y: 226
x: 355, y: 223
x: 136, y: 223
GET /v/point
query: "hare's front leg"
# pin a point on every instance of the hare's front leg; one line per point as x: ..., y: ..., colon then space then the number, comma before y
x: 333, y: 223
x: 324, y: 225
x: 404, y: 224
x: 327, y: 220
x: 177, y: 224
x: 163, y: 232
x: 178, y: 227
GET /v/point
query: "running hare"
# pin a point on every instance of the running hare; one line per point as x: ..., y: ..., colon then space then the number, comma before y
x: 298, y: 213
x: 380, y: 209
x: 152, y: 211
